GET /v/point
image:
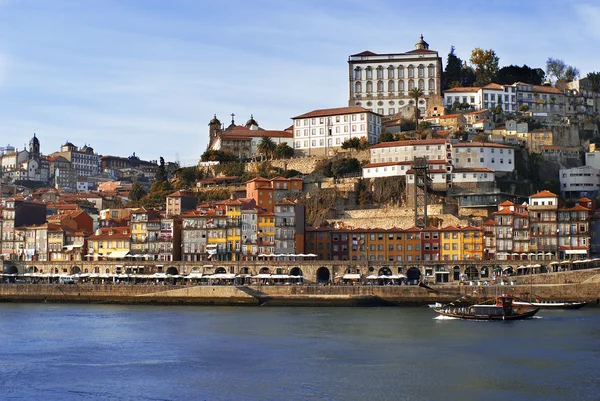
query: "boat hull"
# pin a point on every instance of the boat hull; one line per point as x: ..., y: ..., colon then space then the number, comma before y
x: 466, y: 316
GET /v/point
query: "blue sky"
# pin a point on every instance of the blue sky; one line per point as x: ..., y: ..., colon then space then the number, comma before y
x: 146, y: 76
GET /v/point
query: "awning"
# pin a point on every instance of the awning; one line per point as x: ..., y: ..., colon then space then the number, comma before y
x: 351, y: 277
x: 576, y: 251
x: 118, y: 254
x: 225, y: 276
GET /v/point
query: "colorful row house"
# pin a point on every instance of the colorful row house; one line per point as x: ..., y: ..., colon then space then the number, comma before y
x: 412, y: 244
x: 543, y: 229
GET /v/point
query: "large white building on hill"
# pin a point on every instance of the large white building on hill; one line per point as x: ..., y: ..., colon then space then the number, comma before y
x: 319, y: 132
x: 381, y: 82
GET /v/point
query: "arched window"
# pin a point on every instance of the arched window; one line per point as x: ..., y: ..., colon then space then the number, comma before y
x: 379, y: 86
x: 357, y: 87
x: 431, y: 70
x: 369, y: 86
x: 391, y: 86
x: 401, y: 72
x: 380, y: 72
x: 391, y: 72
x: 411, y: 71
x: 421, y: 84
x: 421, y: 71
x: 431, y: 85
x: 411, y: 84
x: 400, y: 86
x: 369, y: 72
x: 357, y: 73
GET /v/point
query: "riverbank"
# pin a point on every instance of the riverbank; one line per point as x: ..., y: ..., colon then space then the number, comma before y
x: 297, y: 295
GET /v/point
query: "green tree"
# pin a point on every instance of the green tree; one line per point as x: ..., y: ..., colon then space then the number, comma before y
x: 218, y: 156
x: 467, y: 76
x: 284, y: 151
x: 452, y: 72
x: 386, y: 137
x: 137, y: 191
x: 416, y: 94
x: 351, y: 143
x: 559, y: 70
x: 485, y: 63
x: 188, y: 176
x: 496, y: 111
x: 594, y: 78
x: 267, y: 147
x: 424, y: 125
x: 363, y: 143
x: 510, y: 74
x: 161, y: 174
x: 340, y: 167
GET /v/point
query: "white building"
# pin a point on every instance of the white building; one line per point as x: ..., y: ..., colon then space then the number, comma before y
x: 579, y: 182
x: 494, y: 156
x: 319, y: 132
x: 482, y: 98
x: 381, y: 82
x: 398, y: 169
x: 243, y: 140
x: 473, y: 177
x: 397, y: 151
x: 84, y: 161
x: 542, y: 101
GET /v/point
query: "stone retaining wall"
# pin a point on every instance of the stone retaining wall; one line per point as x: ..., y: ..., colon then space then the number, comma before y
x: 285, y: 295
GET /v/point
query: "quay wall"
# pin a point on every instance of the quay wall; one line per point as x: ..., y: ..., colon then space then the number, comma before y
x: 300, y: 295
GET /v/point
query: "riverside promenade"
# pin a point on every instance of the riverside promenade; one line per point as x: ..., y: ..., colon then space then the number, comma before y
x: 579, y: 285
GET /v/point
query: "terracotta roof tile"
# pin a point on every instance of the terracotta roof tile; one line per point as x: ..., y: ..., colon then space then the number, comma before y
x: 334, y: 112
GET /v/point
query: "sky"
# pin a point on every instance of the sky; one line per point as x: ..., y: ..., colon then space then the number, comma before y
x: 146, y: 76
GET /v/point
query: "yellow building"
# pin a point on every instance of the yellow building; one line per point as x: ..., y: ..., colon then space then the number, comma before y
x: 109, y: 243
x: 451, y: 243
x: 472, y: 241
x: 266, y: 232
x: 233, y: 211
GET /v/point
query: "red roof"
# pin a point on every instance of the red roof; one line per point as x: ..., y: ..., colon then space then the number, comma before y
x: 463, y: 89
x: 241, y: 132
x: 544, y: 194
x: 493, y: 86
x: 473, y: 170
x: 413, y: 142
x: 479, y: 145
x: 334, y: 112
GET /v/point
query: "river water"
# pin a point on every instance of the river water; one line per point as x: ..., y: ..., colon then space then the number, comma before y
x: 110, y: 352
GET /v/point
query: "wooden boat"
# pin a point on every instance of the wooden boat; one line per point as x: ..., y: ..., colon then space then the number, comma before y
x: 504, y: 309
x: 551, y: 305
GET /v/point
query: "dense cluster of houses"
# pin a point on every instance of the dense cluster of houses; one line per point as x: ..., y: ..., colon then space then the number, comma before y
x: 73, y: 228
x: 544, y: 228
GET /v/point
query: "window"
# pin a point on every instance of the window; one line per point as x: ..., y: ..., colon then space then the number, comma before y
x: 391, y: 86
